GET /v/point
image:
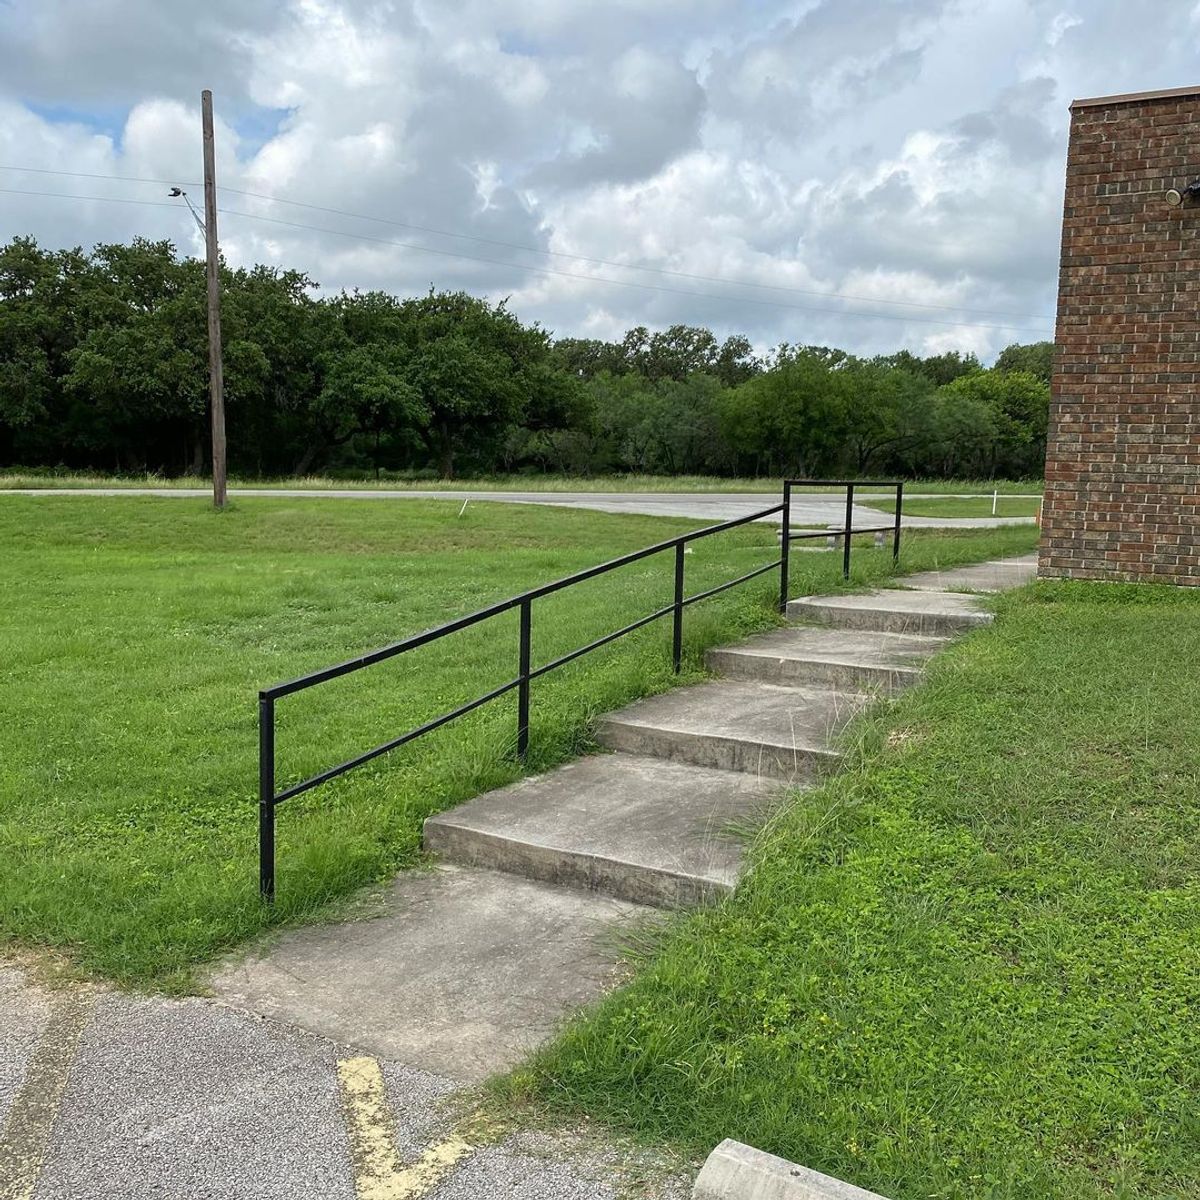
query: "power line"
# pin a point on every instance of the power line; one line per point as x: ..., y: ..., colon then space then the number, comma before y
x: 624, y: 283
x: 603, y: 262
x: 106, y: 199
x: 607, y: 262
x: 88, y: 175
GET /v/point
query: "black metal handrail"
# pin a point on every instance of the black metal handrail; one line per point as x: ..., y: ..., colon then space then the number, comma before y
x: 269, y: 798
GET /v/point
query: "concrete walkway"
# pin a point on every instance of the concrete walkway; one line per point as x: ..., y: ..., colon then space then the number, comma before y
x: 807, y: 509
x: 335, y: 1062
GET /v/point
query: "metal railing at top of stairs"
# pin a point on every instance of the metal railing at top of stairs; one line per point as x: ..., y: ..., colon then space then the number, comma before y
x: 269, y: 798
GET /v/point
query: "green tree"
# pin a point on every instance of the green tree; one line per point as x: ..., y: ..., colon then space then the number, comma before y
x: 879, y: 411
x: 478, y: 371
x: 1037, y: 358
x: 43, y: 315
x: 138, y: 379
x: 366, y: 391
x: 789, y: 419
x: 736, y: 361
x: 939, y: 369
x: 1019, y: 404
x: 585, y: 358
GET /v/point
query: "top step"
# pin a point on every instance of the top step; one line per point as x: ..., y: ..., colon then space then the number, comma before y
x: 999, y: 575
x: 888, y: 611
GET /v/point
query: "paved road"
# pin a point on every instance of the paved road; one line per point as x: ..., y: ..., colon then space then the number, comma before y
x: 808, y: 509
x: 107, y: 1096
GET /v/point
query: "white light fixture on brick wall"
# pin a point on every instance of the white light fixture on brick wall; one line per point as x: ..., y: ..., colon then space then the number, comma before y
x: 1187, y: 195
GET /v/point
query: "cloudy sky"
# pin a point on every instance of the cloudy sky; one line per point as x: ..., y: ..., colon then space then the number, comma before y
x: 864, y: 173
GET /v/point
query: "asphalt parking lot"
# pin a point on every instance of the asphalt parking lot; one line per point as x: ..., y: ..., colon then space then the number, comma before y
x: 106, y: 1095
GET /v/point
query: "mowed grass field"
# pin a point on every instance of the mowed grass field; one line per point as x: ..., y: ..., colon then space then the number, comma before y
x: 136, y: 632
x: 969, y: 965
x: 966, y: 506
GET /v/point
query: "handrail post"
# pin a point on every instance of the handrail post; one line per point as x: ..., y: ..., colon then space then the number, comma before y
x: 896, y: 538
x: 266, y: 798
x: 677, y: 631
x: 849, y: 530
x: 523, y: 675
x: 785, y: 545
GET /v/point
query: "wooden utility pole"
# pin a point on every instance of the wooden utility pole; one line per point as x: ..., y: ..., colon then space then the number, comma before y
x: 216, y: 373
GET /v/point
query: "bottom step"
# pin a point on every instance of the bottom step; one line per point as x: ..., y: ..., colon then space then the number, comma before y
x: 640, y: 829
x: 464, y: 973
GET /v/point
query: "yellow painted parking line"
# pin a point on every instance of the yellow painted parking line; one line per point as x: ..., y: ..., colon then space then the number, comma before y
x: 378, y: 1173
x: 27, y: 1130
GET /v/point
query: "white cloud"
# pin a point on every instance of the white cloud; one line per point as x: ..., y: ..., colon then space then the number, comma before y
x: 1060, y: 25
x: 901, y: 150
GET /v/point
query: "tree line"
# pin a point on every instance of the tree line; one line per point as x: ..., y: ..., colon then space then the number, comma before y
x: 103, y: 367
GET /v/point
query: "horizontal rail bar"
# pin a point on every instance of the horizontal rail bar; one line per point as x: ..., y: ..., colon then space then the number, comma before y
x: 325, y: 776
x: 839, y: 531
x: 693, y: 535
x: 502, y: 606
x: 386, y: 652
x: 608, y: 637
x: 844, y: 482
x: 722, y: 587
x: 655, y: 616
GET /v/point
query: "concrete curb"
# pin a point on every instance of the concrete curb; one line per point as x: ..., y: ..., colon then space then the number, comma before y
x: 734, y: 1171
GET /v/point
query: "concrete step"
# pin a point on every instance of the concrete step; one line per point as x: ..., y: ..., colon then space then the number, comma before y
x: 893, y: 611
x: 996, y: 576
x: 460, y: 971
x: 736, y: 725
x: 848, y: 659
x: 640, y: 829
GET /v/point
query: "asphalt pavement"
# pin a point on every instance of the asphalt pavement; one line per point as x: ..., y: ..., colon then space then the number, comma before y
x: 110, y: 1096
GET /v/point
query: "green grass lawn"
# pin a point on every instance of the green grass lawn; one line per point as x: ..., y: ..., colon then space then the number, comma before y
x: 136, y: 632
x: 968, y: 966
x: 962, y: 506
x: 16, y: 478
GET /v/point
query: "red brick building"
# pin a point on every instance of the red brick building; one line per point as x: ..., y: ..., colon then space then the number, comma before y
x: 1123, y: 458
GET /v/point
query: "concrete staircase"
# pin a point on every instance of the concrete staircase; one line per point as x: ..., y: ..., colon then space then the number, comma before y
x: 476, y: 963
x: 661, y: 820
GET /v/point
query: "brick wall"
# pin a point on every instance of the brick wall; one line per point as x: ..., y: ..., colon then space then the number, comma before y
x: 1123, y: 459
